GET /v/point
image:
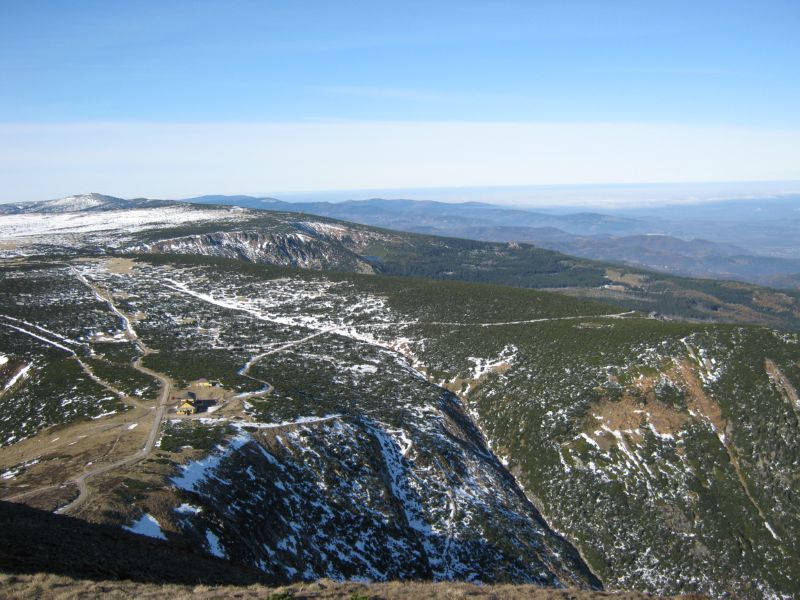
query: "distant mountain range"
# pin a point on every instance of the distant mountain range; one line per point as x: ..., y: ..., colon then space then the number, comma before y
x: 285, y: 237
x: 747, y: 240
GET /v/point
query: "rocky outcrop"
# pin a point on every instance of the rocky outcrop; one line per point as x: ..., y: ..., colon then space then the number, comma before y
x: 283, y: 249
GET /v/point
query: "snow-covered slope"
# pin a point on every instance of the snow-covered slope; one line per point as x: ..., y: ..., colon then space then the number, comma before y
x: 96, y: 222
x: 119, y: 221
x: 296, y: 249
x: 81, y: 202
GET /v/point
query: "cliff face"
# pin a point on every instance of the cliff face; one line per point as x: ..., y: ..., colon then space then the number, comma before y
x: 349, y: 497
x: 283, y: 249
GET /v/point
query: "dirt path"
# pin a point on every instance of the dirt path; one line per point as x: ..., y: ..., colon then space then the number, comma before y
x: 160, y: 409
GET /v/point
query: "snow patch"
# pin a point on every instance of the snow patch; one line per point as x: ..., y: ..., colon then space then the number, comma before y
x: 214, y: 546
x: 147, y: 525
x: 23, y: 372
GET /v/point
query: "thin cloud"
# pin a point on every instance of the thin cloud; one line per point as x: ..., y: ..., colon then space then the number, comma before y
x: 181, y: 159
x: 387, y: 93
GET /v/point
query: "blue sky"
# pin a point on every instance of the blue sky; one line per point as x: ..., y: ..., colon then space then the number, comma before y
x: 728, y: 72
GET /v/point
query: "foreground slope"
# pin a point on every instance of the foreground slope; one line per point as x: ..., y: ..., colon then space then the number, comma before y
x: 51, y: 556
x: 383, y: 427
x: 21, y: 587
x: 344, y: 463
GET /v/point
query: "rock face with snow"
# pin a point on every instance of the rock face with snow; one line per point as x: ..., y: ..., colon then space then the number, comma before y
x: 347, y: 497
x: 284, y: 249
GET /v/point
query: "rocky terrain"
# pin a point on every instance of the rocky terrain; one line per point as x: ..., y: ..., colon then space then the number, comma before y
x: 372, y: 428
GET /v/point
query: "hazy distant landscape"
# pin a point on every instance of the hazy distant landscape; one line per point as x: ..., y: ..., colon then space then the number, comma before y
x: 750, y: 240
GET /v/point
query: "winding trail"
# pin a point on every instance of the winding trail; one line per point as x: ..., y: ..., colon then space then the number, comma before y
x: 245, y: 370
x: 86, y: 368
x: 158, y: 415
x: 80, y: 480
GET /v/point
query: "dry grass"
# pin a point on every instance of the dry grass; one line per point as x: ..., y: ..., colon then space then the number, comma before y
x: 697, y: 400
x: 629, y: 279
x: 42, y: 585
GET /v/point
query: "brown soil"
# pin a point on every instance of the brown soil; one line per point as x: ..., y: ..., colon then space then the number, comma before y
x: 783, y: 385
x: 697, y: 400
x: 630, y: 279
x: 629, y: 413
x: 635, y: 410
x: 119, y: 265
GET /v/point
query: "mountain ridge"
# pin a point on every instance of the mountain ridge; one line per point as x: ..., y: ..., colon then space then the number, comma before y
x: 614, y: 237
x: 242, y: 232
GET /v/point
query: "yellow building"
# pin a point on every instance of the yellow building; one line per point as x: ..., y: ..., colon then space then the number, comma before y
x: 187, y: 408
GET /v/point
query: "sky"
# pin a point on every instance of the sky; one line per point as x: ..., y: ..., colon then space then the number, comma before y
x: 173, y: 99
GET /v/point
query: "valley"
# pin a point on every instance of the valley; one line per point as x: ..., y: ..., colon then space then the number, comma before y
x: 439, y: 410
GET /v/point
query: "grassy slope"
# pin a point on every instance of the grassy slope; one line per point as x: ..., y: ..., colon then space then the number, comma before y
x: 22, y: 587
